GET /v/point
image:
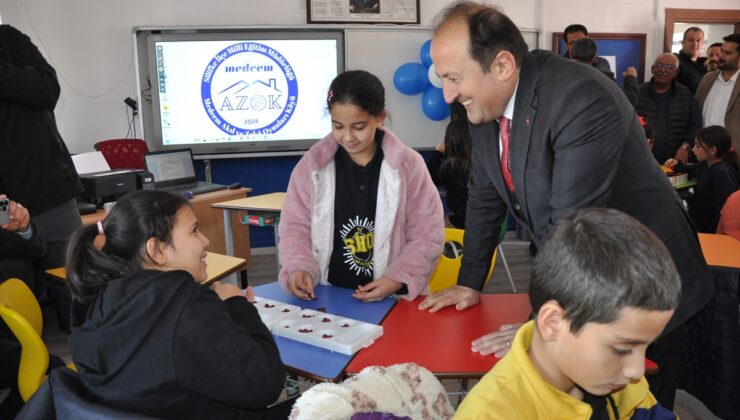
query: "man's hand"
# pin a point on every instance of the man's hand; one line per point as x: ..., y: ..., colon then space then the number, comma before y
x: 631, y: 71
x: 226, y: 290
x: 682, y: 154
x: 497, y: 343
x: 300, y: 284
x: 18, y: 215
x: 377, y: 289
x: 460, y: 296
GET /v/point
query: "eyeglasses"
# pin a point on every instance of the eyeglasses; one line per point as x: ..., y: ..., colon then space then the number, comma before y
x: 665, y: 66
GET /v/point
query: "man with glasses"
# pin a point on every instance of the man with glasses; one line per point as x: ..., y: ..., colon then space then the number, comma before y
x: 692, y: 66
x: 671, y: 109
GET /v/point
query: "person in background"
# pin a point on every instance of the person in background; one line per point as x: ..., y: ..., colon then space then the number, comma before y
x: 550, y: 137
x: 716, y: 173
x: 691, y: 64
x: 719, y: 91
x: 35, y: 166
x: 603, y: 287
x: 147, y: 337
x: 571, y: 33
x: 449, y: 164
x: 584, y: 51
x: 361, y: 210
x: 729, y: 217
x: 713, y: 54
x: 671, y: 109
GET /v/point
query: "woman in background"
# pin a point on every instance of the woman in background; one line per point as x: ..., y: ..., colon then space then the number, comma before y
x: 147, y: 337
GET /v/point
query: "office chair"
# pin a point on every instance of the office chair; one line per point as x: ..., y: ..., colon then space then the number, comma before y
x: 123, y: 153
x: 21, y: 312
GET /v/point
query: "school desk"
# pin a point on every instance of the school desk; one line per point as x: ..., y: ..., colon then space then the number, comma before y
x: 219, y: 266
x: 316, y: 363
x: 720, y: 250
x: 266, y: 205
x: 440, y: 341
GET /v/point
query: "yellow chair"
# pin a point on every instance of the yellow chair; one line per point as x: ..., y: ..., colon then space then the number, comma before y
x: 445, y: 275
x: 21, y: 312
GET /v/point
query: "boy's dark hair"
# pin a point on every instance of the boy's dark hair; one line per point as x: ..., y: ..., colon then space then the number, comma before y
x: 571, y: 29
x: 599, y: 261
x: 716, y: 44
x: 718, y: 137
x: 583, y: 50
x: 359, y: 88
x: 733, y: 38
x: 135, y: 218
x: 489, y: 30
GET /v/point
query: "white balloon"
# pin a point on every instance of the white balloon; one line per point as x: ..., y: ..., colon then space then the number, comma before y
x: 433, y: 78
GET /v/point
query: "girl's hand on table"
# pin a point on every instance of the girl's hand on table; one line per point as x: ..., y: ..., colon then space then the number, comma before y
x: 300, y: 284
x: 377, y: 289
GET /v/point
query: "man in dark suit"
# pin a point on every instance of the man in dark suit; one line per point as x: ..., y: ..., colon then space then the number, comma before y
x: 574, y: 141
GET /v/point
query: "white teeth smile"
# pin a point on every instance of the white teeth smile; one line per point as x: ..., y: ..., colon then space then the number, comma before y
x: 467, y: 102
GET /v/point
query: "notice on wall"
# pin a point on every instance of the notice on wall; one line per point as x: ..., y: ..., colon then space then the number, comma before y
x: 363, y: 11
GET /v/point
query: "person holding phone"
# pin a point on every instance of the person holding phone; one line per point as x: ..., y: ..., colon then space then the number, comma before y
x: 20, y: 246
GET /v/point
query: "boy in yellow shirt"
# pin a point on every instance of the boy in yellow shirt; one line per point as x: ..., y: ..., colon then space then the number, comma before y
x: 603, y: 287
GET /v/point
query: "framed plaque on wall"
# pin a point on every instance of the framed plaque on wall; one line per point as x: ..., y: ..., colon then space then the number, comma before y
x: 363, y: 11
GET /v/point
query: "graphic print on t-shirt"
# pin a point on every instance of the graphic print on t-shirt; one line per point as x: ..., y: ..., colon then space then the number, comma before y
x: 358, y: 236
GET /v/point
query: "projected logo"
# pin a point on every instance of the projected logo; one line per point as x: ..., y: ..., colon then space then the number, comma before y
x: 249, y: 89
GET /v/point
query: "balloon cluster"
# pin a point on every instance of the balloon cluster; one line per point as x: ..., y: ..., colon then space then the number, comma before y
x: 413, y: 78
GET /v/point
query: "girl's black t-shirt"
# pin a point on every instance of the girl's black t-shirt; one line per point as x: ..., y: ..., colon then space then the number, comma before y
x: 355, y: 199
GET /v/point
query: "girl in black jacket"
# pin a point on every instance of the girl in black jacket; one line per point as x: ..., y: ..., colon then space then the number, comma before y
x: 147, y: 337
x: 716, y: 173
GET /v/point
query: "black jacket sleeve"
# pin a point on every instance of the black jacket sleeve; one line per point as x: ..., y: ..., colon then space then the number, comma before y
x: 25, y: 76
x: 224, y: 351
x: 631, y: 89
x: 13, y: 246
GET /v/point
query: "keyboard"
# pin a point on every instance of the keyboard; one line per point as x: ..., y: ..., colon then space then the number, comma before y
x: 195, y: 189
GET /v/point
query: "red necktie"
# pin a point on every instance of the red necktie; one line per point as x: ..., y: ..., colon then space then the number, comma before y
x: 505, y: 131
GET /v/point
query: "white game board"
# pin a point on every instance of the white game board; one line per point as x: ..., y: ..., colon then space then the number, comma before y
x: 332, y: 332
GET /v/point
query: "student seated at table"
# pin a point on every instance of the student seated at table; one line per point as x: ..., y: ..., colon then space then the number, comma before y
x: 147, y: 337
x: 603, y: 287
x: 450, y: 164
x: 716, y: 174
x: 361, y: 210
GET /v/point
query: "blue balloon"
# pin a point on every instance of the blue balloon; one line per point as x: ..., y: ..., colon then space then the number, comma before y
x: 433, y: 104
x: 411, y: 78
x: 426, y: 57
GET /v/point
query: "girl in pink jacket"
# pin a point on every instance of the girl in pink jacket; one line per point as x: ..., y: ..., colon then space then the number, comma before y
x: 361, y: 210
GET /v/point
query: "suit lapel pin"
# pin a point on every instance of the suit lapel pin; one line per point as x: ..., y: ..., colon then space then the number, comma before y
x: 528, y: 121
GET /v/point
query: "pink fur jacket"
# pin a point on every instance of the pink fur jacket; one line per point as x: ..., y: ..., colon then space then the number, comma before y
x: 409, y: 222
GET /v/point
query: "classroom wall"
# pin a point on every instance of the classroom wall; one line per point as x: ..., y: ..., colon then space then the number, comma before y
x: 90, y: 43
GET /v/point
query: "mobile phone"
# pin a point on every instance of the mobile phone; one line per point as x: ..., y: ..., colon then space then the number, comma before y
x: 4, y: 211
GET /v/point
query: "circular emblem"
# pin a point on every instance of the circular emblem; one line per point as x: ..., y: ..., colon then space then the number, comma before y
x: 249, y: 88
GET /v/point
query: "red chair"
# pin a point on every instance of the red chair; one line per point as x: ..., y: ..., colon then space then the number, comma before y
x: 123, y: 153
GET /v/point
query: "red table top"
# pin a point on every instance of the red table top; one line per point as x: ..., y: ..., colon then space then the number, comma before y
x: 441, y: 341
